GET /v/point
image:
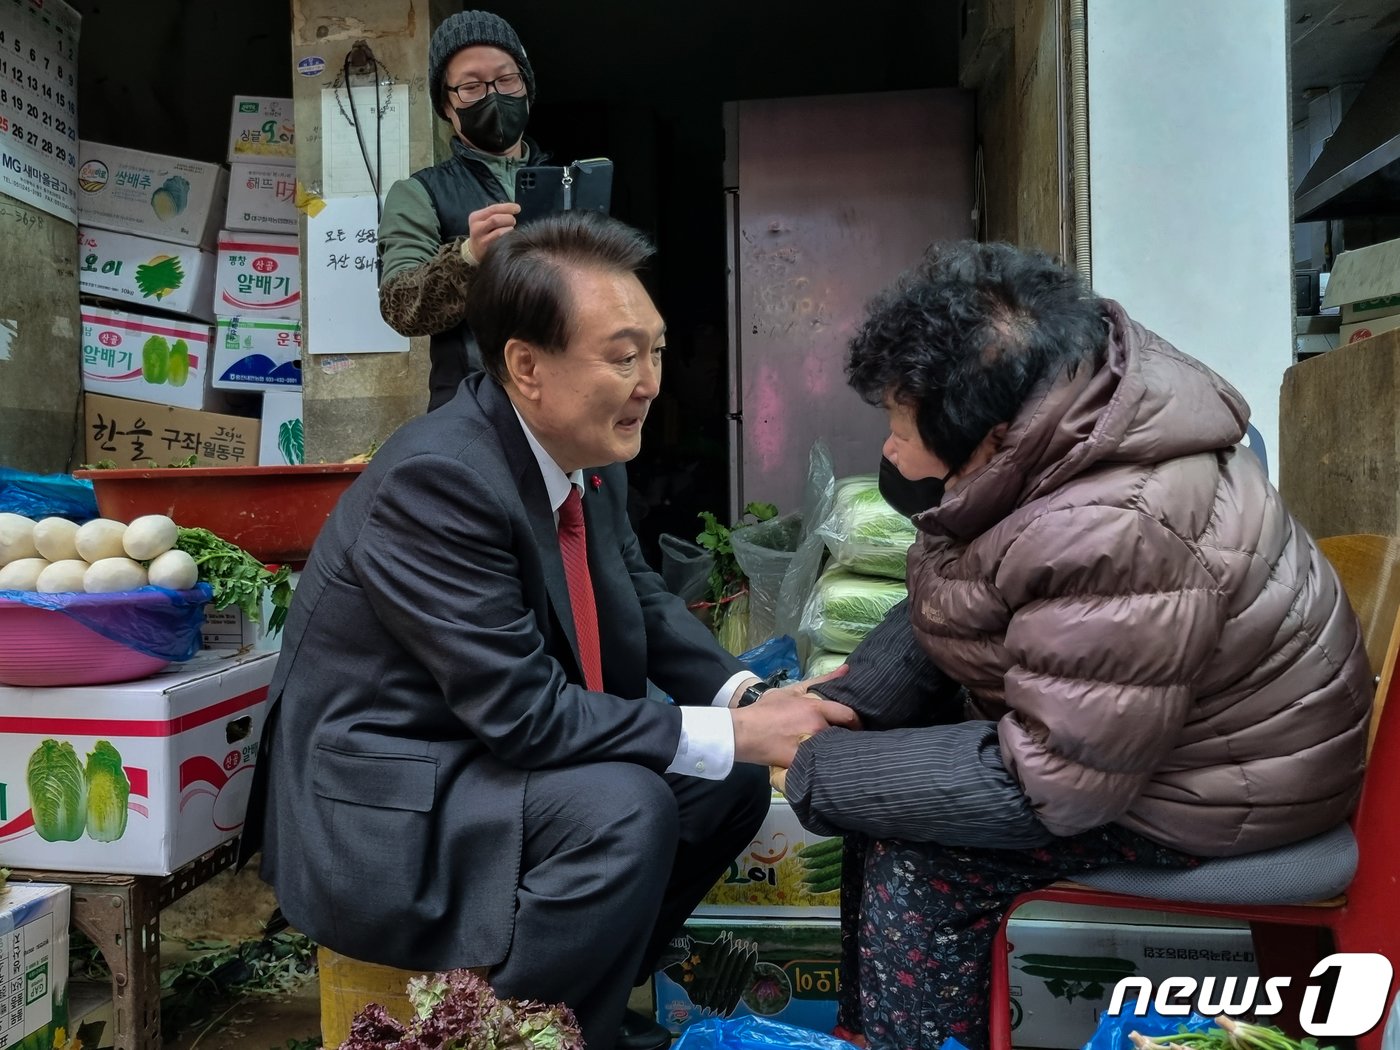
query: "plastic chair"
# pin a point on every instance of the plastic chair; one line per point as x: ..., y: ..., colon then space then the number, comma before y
x: 1365, y: 918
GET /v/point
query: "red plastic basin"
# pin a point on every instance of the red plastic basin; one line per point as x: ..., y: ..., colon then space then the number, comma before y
x: 41, y: 647
x: 274, y: 513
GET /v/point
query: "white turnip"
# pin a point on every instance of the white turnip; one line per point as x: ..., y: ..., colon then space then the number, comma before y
x: 56, y: 539
x: 109, y: 575
x: 62, y: 577
x: 149, y: 536
x: 16, y: 538
x: 22, y: 574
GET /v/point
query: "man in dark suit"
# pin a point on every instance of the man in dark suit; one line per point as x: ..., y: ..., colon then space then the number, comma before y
x: 460, y: 765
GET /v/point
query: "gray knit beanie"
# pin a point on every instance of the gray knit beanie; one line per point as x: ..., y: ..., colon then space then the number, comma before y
x: 468, y: 29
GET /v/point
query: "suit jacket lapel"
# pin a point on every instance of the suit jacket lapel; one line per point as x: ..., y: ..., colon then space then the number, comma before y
x: 498, y: 408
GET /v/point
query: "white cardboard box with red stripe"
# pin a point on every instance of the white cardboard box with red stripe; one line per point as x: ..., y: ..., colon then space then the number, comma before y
x: 258, y: 275
x: 157, y: 359
x: 186, y: 743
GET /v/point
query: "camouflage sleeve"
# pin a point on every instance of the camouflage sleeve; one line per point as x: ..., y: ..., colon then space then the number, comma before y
x: 424, y: 282
x: 430, y: 297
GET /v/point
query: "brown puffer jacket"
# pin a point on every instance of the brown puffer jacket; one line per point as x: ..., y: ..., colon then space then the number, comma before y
x: 1163, y: 644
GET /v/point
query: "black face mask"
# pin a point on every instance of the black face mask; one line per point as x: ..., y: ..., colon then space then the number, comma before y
x: 909, y: 497
x: 496, y: 123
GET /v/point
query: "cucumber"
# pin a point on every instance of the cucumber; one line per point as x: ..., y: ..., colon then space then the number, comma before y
x: 813, y: 873
x: 827, y: 886
x: 824, y: 848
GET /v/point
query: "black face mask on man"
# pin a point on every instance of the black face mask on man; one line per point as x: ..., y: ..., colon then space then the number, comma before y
x: 909, y: 497
x: 496, y: 123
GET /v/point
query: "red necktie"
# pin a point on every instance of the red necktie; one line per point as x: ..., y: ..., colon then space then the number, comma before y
x: 573, y: 545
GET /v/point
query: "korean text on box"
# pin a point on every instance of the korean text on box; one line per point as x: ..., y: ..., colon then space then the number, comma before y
x: 139, y: 433
x: 258, y: 275
x: 33, y: 963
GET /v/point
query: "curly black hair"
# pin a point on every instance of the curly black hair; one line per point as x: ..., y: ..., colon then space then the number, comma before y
x: 964, y: 337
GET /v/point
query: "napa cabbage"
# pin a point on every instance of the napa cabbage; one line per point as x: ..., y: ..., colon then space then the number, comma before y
x: 57, y: 791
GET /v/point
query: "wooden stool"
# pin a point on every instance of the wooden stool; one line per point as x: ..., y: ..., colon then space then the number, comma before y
x: 349, y: 985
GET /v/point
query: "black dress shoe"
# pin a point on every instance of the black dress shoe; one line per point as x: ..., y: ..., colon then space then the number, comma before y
x: 640, y: 1032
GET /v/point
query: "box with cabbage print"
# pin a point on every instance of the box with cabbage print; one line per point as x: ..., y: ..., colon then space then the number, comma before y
x: 137, y: 778
x: 785, y: 970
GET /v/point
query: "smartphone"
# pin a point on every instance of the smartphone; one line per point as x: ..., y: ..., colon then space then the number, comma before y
x: 545, y: 190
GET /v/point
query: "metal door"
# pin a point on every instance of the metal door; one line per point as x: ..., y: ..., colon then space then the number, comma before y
x: 830, y: 199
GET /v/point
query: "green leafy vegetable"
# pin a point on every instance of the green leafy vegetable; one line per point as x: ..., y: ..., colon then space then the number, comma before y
x: 57, y: 792
x: 1228, y: 1034
x: 237, y: 577
x: 457, y: 1010
x: 844, y: 608
x: 726, y: 582
x: 864, y: 533
x: 107, y: 792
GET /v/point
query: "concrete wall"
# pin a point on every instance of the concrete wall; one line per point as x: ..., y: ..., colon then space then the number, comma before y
x: 1190, y: 186
x: 353, y: 400
x: 40, y: 348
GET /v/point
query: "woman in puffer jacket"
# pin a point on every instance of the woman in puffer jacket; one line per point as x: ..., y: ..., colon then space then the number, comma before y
x: 1119, y: 646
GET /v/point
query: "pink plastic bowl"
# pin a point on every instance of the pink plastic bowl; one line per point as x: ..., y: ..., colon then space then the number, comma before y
x: 42, y: 647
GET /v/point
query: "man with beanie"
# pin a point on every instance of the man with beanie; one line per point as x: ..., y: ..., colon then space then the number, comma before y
x: 438, y: 223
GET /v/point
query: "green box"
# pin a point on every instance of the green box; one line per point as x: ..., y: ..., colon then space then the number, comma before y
x: 786, y: 971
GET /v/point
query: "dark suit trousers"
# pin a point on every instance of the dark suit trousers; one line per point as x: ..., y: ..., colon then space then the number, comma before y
x: 615, y: 859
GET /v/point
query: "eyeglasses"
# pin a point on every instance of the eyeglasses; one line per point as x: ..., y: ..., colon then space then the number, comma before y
x: 475, y: 90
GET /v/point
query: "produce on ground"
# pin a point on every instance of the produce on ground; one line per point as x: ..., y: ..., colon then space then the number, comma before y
x: 1228, y: 1034
x: 864, y: 533
x: 457, y: 1010
x: 843, y: 607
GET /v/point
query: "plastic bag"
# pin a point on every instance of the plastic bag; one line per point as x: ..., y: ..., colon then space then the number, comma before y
x: 863, y: 532
x: 754, y: 1033
x: 47, y: 495
x: 820, y: 661
x: 775, y: 661
x: 152, y: 620
x: 1112, y: 1032
x: 806, y: 563
x: 685, y: 566
x: 764, y: 551
x: 845, y: 607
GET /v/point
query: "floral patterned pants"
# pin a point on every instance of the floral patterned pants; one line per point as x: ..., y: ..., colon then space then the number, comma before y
x: 918, y: 920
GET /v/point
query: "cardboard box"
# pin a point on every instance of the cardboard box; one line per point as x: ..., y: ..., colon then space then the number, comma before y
x: 229, y: 629
x: 282, y: 443
x: 135, y: 433
x: 773, y: 876
x: 786, y: 971
x: 257, y: 353
x: 1365, y: 282
x: 34, y: 920
x: 262, y: 130
x: 258, y: 275
x: 155, y: 274
x: 150, y: 195
x: 1063, y: 972
x: 187, y: 739
x: 147, y: 358
x: 1359, y: 330
x: 261, y: 199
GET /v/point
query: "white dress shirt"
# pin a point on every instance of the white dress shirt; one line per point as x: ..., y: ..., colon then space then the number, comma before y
x: 706, y: 748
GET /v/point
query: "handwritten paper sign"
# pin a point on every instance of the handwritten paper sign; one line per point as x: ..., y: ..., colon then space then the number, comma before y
x: 342, y: 293
x: 39, y: 105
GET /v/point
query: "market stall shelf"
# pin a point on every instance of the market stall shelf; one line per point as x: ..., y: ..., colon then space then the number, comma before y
x: 120, y: 914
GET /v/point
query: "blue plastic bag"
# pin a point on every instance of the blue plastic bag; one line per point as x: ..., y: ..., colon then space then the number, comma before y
x: 47, y: 495
x: 160, y: 623
x: 754, y: 1033
x: 1112, y: 1033
x: 775, y: 661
